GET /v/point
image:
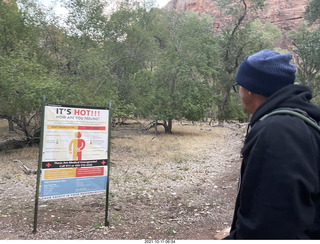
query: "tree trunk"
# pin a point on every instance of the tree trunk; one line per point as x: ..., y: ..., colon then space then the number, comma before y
x: 11, y: 126
x: 156, y: 127
x: 168, y: 126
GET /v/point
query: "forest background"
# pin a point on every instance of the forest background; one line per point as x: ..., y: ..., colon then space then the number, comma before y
x: 150, y: 63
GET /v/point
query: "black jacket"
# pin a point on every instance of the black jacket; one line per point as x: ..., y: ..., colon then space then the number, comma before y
x: 279, y: 189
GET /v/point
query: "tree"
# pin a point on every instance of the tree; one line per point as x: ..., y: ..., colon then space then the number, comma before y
x: 307, y: 46
x: 23, y: 83
x: 133, y: 52
x: 183, y: 74
x: 240, y: 37
x: 162, y: 63
x: 312, y: 12
x: 24, y: 80
x: 80, y: 56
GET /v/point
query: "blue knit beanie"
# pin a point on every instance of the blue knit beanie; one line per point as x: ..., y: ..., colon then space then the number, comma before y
x: 266, y: 72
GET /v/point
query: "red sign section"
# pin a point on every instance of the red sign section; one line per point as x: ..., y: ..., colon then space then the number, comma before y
x: 95, y: 171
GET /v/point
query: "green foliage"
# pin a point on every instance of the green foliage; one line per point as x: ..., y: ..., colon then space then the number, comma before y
x: 24, y: 78
x: 312, y: 13
x: 18, y: 44
x: 144, y: 99
x: 184, y: 71
x: 316, y: 98
x: 85, y: 18
x: 235, y: 111
x: 148, y: 62
x: 23, y: 81
x: 307, y: 48
x: 162, y: 61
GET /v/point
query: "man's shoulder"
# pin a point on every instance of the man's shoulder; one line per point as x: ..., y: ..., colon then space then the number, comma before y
x: 288, y: 117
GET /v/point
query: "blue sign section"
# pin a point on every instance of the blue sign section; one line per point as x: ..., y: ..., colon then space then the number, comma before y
x: 61, y: 188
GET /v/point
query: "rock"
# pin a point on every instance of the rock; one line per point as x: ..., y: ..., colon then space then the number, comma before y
x: 117, y: 207
x: 285, y: 14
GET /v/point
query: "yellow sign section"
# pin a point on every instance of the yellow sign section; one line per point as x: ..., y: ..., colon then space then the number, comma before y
x: 62, y: 127
x: 59, y: 173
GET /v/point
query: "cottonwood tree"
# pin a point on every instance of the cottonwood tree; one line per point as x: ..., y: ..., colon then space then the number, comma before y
x: 80, y: 55
x: 133, y: 51
x: 182, y: 75
x: 163, y: 63
x: 240, y: 36
x: 24, y: 80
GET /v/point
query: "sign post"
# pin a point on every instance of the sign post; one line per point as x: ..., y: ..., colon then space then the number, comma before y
x: 106, y: 222
x: 75, y: 153
x: 36, y: 202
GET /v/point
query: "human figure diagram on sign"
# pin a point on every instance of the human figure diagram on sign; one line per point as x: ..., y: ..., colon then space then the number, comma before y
x: 76, y: 146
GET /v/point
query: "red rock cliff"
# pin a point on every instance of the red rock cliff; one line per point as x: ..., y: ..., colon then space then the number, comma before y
x: 286, y: 14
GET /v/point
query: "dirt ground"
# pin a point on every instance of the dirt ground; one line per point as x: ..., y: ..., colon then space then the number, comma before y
x: 162, y: 187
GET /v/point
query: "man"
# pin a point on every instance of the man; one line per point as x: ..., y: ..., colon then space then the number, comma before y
x: 279, y: 188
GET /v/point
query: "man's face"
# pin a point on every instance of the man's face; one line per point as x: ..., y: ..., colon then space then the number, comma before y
x: 246, y: 100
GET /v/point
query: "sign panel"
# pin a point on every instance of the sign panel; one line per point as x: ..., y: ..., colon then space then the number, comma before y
x: 74, y: 151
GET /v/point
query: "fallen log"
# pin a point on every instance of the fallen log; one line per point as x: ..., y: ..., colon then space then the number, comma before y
x: 25, y: 168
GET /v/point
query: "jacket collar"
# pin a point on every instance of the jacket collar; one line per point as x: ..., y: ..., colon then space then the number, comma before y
x: 291, y: 96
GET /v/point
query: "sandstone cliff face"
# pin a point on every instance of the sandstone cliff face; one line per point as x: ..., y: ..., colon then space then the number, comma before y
x: 286, y: 14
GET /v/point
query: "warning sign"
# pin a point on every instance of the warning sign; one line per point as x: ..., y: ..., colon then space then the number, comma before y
x: 75, y: 151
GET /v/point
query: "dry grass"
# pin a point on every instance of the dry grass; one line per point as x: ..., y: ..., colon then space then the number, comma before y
x: 29, y: 156
x: 186, y: 140
x: 145, y: 154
